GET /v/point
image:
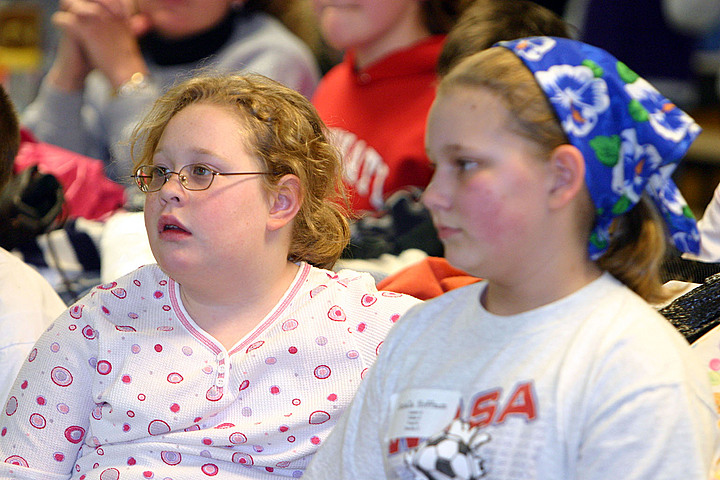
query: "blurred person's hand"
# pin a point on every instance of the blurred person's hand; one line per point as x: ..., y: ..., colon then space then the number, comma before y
x: 70, y: 67
x: 106, y: 31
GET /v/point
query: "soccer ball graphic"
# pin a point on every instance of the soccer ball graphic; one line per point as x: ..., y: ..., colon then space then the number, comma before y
x: 449, y: 455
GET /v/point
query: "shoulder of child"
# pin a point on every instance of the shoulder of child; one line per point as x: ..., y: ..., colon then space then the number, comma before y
x: 357, y: 292
x: 364, y: 284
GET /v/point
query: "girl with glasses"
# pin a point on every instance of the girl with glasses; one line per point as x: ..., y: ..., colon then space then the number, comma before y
x: 235, y: 354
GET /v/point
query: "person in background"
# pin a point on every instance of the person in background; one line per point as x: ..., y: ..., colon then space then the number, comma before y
x: 115, y: 57
x: 481, y: 24
x: 376, y: 100
x: 28, y: 303
x: 709, y: 227
x: 552, y: 180
x: 236, y: 353
x: 486, y: 22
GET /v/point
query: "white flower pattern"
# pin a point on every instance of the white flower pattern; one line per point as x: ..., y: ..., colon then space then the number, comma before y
x: 597, y: 98
x: 629, y: 174
x: 534, y: 48
x: 577, y: 96
x: 666, y: 118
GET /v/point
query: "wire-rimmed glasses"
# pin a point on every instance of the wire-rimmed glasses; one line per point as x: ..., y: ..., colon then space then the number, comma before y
x: 194, y: 177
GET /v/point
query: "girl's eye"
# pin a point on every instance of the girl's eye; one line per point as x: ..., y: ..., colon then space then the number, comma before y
x: 465, y: 165
x: 200, y: 170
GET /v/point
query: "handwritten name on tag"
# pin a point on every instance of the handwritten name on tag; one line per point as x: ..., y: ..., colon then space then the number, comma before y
x: 422, y: 412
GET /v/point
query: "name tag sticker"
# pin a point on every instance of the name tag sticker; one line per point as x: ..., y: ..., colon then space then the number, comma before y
x: 422, y: 412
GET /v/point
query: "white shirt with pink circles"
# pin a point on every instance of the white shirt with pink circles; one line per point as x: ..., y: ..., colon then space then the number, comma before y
x: 126, y: 385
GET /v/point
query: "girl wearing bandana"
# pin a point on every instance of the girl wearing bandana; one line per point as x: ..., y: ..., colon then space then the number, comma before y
x: 552, y: 182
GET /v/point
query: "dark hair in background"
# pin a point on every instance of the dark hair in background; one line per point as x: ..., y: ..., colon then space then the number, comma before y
x: 486, y: 22
x: 299, y: 18
x: 9, y: 137
x: 440, y: 16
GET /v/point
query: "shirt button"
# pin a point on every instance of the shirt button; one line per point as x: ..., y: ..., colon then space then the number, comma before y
x: 220, y: 382
x: 364, y: 78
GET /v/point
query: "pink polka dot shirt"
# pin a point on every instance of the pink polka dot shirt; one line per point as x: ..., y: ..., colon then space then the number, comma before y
x: 125, y: 385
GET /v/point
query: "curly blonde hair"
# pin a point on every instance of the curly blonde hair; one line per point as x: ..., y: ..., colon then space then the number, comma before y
x: 286, y: 135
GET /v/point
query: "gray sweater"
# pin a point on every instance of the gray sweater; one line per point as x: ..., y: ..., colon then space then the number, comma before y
x: 94, y: 123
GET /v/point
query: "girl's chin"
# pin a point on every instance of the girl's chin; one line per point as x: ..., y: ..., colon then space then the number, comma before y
x: 179, y: 266
x: 461, y: 261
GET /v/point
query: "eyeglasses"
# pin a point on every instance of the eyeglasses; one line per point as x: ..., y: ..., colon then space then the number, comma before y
x: 151, y: 178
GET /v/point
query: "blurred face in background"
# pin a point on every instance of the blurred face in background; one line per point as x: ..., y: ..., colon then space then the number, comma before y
x: 176, y: 19
x: 376, y: 26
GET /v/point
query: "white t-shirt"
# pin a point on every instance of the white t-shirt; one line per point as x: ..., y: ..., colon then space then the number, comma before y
x: 594, y: 386
x: 709, y: 227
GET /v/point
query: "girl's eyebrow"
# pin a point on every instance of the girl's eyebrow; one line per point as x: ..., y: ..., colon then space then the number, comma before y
x: 446, y: 151
x: 197, y: 151
x: 452, y: 148
x: 204, y: 151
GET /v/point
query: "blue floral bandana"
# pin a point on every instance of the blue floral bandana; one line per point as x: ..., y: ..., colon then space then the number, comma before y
x: 631, y: 136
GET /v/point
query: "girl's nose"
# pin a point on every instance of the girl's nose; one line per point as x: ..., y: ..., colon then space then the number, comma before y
x: 433, y: 197
x: 172, y: 189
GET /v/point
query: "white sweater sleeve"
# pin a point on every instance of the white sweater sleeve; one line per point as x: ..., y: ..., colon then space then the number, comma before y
x: 709, y: 227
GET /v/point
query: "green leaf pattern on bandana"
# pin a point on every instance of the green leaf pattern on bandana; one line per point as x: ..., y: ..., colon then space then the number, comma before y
x: 637, y: 111
x: 626, y: 73
x: 607, y: 149
x: 630, y: 135
x: 623, y: 205
x: 596, y: 69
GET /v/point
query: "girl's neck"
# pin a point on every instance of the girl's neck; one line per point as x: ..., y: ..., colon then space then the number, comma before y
x: 229, y: 310
x: 548, y: 283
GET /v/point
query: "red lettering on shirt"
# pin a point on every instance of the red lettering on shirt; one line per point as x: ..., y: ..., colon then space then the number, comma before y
x: 487, y: 408
x: 522, y: 402
x: 483, y: 409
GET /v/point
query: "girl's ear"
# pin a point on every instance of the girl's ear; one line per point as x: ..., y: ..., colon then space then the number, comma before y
x: 567, y: 169
x: 285, y: 202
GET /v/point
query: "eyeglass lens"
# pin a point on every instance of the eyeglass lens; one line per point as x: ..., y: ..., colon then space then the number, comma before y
x: 193, y: 177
